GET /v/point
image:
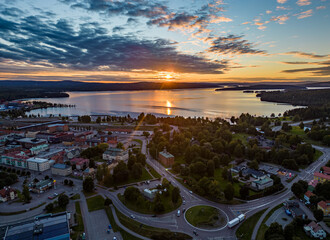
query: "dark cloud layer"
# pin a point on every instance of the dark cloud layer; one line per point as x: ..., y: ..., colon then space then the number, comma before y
x: 36, y: 40
x: 156, y: 11
x: 233, y: 44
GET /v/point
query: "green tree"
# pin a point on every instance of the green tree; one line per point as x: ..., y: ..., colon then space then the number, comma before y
x: 107, y: 202
x: 274, y: 231
x: 49, y: 207
x: 137, y: 170
x: 229, y: 192
x: 131, y: 193
x: 301, y: 125
x: 26, y: 194
x: 120, y: 172
x: 63, y: 200
x: 210, y: 168
x: 244, y: 192
x: 175, y: 194
x: 88, y: 184
x: 318, y: 214
x: 286, y: 127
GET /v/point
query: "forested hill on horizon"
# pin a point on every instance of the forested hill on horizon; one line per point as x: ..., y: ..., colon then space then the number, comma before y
x: 10, y: 90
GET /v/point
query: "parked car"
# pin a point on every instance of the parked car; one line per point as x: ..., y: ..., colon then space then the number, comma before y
x: 132, y: 216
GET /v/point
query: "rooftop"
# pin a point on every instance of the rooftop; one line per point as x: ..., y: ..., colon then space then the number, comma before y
x: 166, y: 154
x: 324, y: 204
x: 50, y: 226
x: 60, y: 166
x: 37, y: 160
x: 321, y: 175
x: 263, y: 180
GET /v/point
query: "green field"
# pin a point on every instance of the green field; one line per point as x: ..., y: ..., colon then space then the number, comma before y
x: 95, y: 203
x: 205, y: 217
x: 245, y: 230
x: 296, y: 130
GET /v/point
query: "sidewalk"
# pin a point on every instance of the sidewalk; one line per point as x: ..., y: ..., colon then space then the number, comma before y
x: 125, y: 228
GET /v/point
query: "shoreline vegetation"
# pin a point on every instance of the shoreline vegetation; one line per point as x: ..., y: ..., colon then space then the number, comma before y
x: 298, y: 97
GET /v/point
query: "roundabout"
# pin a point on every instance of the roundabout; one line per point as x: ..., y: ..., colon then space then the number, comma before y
x: 206, y: 218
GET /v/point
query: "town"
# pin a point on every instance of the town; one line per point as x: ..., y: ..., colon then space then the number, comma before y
x: 164, y: 178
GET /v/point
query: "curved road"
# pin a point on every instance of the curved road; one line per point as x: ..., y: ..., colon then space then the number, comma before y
x: 178, y: 224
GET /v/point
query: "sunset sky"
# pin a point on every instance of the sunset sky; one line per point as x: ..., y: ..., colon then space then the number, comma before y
x: 175, y: 40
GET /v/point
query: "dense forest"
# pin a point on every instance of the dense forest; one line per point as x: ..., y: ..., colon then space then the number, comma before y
x: 317, y: 97
x: 11, y: 93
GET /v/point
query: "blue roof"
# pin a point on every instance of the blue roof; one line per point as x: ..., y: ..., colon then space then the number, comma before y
x: 60, y: 166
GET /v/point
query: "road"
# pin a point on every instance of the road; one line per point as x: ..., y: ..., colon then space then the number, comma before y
x: 174, y: 223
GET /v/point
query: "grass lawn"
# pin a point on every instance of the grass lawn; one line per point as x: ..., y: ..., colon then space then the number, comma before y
x: 75, y: 197
x: 142, y: 229
x: 79, y: 229
x: 242, y: 137
x: 145, y: 176
x: 245, y: 230
x: 263, y: 227
x: 139, y: 141
x: 116, y: 228
x: 317, y: 154
x: 147, y: 206
x: 88, y: 194
x: 223, y: 183
x: 296, y: 130
x: 95, y: 203
x: 206, y: 217
x: 153, y: 172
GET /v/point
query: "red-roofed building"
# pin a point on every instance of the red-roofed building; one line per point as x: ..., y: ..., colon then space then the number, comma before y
x: 321, y: 177
x: 326, y: 170
x: 315, y: 230
x: 324, y: 206
x: 7, y: 194
x: 80, y: 163
x: 307, y: 196
x: 15, y: 159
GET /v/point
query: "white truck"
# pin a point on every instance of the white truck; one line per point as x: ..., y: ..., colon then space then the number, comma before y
x: 236, y: 220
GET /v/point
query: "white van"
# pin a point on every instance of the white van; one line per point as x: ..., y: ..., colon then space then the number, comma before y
x: 178, y: 214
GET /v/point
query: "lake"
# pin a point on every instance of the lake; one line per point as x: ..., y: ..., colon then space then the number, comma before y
x: 187, y: 102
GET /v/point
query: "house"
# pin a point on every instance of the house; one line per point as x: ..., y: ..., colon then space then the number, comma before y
x: 324, y: 206
x: 72, y: 153
x: 315, y: 230
x: 150, y: 193
x: 47, y: 226
x: 61, y: 169
x: 41, y: 186
x: 307, y: 196
x: 38, y: 149
x: 262, y: 183
x: 81, y: 163
x: 321, y: 177
x: 115, y: 154
x: 254, y: 173
x: 38, y: 164
x: 7, y: 194
x: 325, y: 170
x: 312, y: 184
x: 166, y: 158
x: 237, y: 169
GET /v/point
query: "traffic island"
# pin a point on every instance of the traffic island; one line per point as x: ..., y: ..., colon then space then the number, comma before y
x: 205, y: 217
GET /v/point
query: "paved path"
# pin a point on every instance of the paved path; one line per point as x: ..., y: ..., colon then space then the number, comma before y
x: 123, y: 227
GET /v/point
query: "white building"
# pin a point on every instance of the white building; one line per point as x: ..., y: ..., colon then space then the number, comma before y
x: 150, y: 193
x: 262, y: 183
x: 115, y: 154
x: 38, y: 164
x: 315, y: 230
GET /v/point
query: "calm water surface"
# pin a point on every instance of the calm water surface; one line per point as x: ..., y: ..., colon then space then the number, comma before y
x: 198, y: 102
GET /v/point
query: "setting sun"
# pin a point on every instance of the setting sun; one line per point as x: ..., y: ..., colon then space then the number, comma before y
x: 168, y: 76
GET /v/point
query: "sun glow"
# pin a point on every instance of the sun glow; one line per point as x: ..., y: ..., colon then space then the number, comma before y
x: 168, y: 76
x: 168, y: 104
